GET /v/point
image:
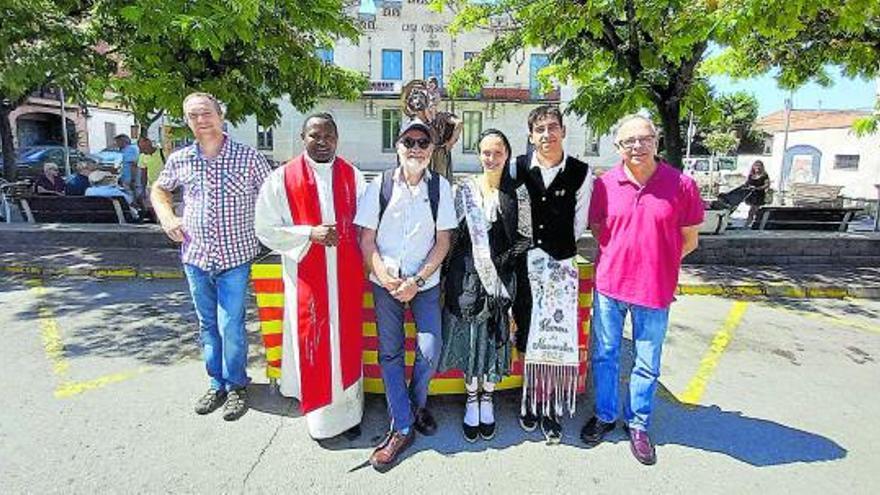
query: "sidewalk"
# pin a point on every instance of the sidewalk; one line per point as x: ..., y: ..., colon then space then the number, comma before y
x: 808, y: 281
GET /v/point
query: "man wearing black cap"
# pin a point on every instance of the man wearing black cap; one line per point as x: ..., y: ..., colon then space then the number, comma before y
x: 407, y: 217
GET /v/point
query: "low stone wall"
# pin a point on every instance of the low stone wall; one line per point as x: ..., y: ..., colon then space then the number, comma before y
x: 734, y: 247
x: 750, y: 248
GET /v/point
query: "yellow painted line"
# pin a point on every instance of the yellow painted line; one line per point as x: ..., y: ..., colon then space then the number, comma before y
x: 695, y: 388
x: 265, y: 300
x: 269, y: 270
x: 164, y: 274
x: 21, y: 269
x: 50, y: 331
x: 744, y: 290
x: 826, y: 292
x: 69, y: 389
x: 700, y: 290
x: 115, y: 272
x: 271, y: 327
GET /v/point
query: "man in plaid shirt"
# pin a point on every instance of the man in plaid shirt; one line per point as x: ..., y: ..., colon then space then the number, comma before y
x: 220, y: 180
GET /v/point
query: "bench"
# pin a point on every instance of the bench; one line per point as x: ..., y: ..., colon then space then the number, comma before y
x: 75, y: 209
x: 804, y: 218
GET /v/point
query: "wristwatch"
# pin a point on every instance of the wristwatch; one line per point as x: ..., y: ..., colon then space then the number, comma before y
x: 420, y: 282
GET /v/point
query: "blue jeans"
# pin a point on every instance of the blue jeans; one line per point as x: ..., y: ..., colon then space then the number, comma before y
x: 389, y: 322
x: 219, y: 299
x: 649, y: 330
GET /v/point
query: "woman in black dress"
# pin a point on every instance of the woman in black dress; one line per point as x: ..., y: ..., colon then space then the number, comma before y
x: 480, y: 283
x: 758, y: 182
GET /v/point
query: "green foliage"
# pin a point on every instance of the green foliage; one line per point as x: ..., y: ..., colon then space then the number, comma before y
x: 246, y: 52
x: 720, y: 142
x: 621, y: 55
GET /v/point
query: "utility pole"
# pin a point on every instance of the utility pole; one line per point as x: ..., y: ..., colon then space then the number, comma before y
x: 64, y: 132
x: 691, y: 131
x: 784, y: 149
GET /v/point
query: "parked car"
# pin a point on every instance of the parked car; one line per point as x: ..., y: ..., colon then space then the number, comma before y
x: 32, y: 158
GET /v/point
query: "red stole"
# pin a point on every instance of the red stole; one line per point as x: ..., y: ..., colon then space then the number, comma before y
x: 313, y: 316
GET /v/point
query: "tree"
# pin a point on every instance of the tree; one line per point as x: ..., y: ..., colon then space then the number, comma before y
x: 720, y: 142
x: 248, y: 53
x: 731, y: 114
x: 43, y: 42
x: 802, y: 39
x: 621, y: 55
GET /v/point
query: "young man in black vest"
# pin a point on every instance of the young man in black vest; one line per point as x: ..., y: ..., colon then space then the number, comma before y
x: 545, y: 309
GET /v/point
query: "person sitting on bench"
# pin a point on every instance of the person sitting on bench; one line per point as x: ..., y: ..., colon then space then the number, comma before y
x: 106, y: 185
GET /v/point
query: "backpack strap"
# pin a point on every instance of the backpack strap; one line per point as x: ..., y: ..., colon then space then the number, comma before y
x: 385, y: 191
x: 434, y: 194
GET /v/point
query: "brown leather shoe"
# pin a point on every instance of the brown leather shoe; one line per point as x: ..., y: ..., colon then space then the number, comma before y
x: 388, y: 453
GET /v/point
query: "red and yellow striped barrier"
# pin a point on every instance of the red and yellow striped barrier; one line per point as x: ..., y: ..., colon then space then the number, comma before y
x: 269, y: 290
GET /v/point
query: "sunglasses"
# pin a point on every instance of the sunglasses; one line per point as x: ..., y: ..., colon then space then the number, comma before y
x: 409, y: 142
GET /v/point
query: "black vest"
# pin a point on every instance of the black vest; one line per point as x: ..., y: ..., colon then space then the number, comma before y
x: 553, y: 208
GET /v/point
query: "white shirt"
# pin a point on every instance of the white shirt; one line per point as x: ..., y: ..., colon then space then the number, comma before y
x: 407, y: 232
x: 582, y: 205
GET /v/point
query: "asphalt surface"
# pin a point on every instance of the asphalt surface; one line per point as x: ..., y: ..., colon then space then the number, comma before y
x: 99, y: 379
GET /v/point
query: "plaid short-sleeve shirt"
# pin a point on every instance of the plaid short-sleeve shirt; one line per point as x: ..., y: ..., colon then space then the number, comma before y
x: 219, y: 196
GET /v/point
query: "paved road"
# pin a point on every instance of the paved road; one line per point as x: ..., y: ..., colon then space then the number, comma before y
x: 98, y: 379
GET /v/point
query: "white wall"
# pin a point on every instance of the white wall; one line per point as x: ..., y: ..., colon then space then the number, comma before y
x: 95, y: 125
x: 856, y: 183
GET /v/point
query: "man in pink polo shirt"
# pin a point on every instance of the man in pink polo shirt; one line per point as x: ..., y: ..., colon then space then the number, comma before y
x: 645, y: 217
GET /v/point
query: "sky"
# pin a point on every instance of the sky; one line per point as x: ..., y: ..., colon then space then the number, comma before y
x: 845, y: 94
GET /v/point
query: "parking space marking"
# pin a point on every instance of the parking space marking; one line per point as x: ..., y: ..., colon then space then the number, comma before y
x: 697, y: 385
x: 53, y: 346
x: 835, y: 319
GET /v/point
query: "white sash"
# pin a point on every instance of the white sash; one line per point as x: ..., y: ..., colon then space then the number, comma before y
x: 551, y: 364
x: 478, y: 229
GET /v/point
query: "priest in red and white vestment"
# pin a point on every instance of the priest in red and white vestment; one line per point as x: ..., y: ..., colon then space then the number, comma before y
x: 305, y: 212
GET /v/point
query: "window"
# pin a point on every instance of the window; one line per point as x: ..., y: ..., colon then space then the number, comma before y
x: 591, y: 143
x: 846, y: 162
x: 390, y: 129
x: 110, y: 134
x: 392, y: 65
x: 432, y: 65
x: 537, y: 62
x: 469, y: 55
x: 265, y: 140
x: 472, y: 126
x: 325, y: 54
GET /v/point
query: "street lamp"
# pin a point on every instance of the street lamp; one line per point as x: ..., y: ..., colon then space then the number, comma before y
x: 64, y: 132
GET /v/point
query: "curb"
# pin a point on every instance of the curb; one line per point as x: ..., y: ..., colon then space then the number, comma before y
x: 735, y: 289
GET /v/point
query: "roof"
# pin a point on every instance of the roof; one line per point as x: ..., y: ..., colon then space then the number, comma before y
x: 803, y: 120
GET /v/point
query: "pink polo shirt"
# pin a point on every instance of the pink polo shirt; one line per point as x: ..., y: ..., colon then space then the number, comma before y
x: 639, y: 248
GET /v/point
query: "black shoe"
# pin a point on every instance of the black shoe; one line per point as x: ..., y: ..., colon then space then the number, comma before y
x: 352, y: 433
x: 236, y: 404
x: 209, y: 402
x: 487, y: 431
x: 471, y: 433
x: 552, y: 430
x: 528, y: 422
x: 425, y: 423
x: 594, y: 431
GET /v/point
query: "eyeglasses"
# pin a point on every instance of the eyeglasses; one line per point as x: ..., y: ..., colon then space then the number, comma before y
x: 630, y: 143
x: 409, y: 142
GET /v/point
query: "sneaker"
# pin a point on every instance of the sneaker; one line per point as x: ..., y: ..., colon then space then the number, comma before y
x: 487, y: 431
x: 552, y: 430
x: 236, y: 404
x: 594, y: 431
x: 209, y: 402
x: 471, y: 433
x: 641, y: 447
x: 388, y: 453
x: 528, y: 421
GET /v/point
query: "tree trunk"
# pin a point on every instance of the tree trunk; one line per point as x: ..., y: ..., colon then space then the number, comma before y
x: 9, y: 168
x: 670, y: 115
